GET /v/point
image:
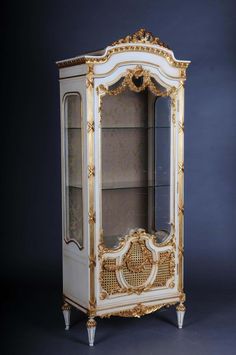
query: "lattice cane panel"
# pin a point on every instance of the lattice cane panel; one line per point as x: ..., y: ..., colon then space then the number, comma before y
x: 137, y: 264
x: 108, y: 278
x: 166, y: 268
x: 135, y: 269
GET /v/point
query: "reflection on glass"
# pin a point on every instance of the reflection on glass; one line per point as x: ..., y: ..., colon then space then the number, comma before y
x: 73, y: 167
x: 135, y: 165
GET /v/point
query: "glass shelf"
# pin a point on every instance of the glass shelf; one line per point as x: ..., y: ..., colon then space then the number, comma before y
x: 74, y: 186
x: 133, y: 127
x: 114, y: 187
x: 120, y: 187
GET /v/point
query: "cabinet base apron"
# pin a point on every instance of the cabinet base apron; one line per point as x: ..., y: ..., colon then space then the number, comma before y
x: 136, y: 311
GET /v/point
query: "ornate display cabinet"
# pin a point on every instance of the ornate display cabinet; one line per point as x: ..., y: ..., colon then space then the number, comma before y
x: 122, y: 136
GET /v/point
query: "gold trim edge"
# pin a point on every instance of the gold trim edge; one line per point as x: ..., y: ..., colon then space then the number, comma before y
x: 137, y: 47
x: 91, y: 211
x: 181, y: 299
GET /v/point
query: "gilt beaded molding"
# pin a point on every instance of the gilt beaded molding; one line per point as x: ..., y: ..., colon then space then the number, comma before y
x: 140, y: 41
x: 167, y: 55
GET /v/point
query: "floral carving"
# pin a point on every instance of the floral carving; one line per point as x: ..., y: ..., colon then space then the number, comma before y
x: 130, y: 82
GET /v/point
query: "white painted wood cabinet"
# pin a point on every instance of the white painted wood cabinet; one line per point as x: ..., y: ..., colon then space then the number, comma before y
x: 122, y: 136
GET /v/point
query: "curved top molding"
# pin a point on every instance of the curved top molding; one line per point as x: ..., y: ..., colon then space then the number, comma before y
x: 140, y: 41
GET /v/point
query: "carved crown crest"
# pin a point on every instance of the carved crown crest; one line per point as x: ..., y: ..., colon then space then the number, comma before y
x: 141, y: 36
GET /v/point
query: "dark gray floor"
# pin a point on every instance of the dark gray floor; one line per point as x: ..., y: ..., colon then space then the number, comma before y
x: 34, y: 325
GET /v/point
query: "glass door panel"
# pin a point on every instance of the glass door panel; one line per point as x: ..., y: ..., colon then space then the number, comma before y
x: 135, y: 173
x: 73, y: 169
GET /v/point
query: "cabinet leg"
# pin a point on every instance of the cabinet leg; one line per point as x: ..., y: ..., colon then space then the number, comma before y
x: 180, y: 310
x: 66, y: 309
x: 91, y: 327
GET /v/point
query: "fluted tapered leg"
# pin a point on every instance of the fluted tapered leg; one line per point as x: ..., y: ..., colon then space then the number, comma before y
x: 91, y: 327
x: 66, y: 309
x: 180, y: 310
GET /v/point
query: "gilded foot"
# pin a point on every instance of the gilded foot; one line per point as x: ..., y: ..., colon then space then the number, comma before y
x: 66, y: 309
x: 180, y: 310
x: 91, y: 327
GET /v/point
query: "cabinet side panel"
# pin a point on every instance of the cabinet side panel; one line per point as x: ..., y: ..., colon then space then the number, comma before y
x: 75, y: 279
x: 75, y: 260
x: 76, y: 70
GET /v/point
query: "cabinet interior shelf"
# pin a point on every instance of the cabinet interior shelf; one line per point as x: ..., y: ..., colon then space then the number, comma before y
x: 121, y: 187
x: 133, y: 127
x: 105, y: 128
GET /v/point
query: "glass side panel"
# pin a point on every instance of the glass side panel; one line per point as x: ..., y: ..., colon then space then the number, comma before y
x: 73, y: 169
x: 162, y: 168
x: 135, y: 165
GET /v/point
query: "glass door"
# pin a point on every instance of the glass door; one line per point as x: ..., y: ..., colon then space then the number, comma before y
x: 135, y: 153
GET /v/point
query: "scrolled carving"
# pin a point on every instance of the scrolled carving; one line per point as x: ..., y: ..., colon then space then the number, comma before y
x: 141, y: 36
x: 181, y: 307
x: 135, y: 267
x: 91, y: 323
x: 139, y: 310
